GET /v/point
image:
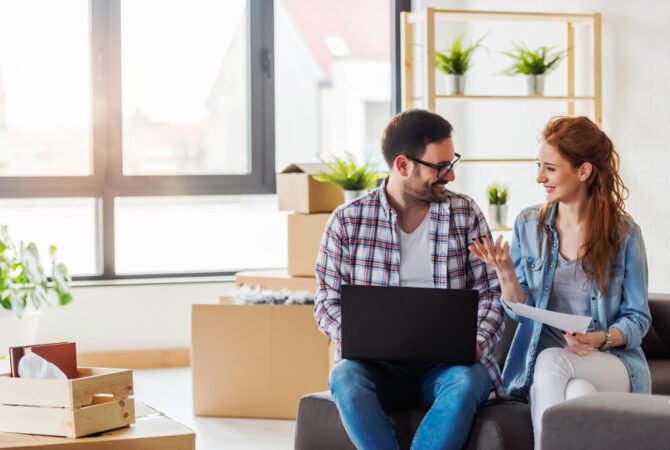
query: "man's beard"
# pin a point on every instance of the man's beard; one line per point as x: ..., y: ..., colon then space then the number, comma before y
x: 417, y: 190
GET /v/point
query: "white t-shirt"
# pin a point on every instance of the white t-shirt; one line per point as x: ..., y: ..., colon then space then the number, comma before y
x: 416, y: 269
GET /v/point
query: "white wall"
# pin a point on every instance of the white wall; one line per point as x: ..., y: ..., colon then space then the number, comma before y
x: 112, y: 318
x: 636, y: 112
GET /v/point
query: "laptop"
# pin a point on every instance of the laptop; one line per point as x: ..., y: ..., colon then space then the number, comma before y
x: 409, y: 324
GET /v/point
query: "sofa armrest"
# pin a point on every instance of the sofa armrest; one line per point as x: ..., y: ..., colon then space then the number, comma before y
x: 607, y: 421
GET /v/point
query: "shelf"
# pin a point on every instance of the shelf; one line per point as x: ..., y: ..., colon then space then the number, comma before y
x: 568, y: 98
x: 484, y: 160
x: 502, y: 229
x: 430, y: 18
x: 448, y: 14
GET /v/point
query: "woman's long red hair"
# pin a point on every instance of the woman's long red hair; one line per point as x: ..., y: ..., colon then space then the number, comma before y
x: 579, y: 140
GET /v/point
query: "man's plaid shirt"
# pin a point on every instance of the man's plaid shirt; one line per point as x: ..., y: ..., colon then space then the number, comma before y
x: 360, y: 246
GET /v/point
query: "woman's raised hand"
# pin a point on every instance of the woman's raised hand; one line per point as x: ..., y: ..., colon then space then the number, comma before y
x: 493, y: 256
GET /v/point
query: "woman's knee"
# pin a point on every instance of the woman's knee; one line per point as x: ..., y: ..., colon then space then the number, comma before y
x: 578, y: 387
x: 552, y: 362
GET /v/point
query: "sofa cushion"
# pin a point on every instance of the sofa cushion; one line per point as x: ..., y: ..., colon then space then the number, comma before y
x: 499, y: 424
x: 608, y: 420
x: 656, y: 344
x: 660, y: 376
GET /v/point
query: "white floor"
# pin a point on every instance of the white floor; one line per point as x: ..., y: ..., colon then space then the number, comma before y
x: 169, y: 390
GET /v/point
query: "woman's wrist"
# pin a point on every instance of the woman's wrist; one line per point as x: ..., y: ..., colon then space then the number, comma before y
x: 507, y: 276
x: 602, y: 338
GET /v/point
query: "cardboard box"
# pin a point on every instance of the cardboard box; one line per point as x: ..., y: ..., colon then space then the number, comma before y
x: 97, y: 400
x: 275, y: 280
x: 153, y: 430
x: 299, y: 192
x: 305, y: 232
x: 255, y: 360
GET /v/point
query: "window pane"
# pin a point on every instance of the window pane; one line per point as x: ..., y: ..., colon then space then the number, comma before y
x: 68, y: 223
x: 185, y: 89
x: 45, y: 88
x: 333, y: 79
x: 199, y: 234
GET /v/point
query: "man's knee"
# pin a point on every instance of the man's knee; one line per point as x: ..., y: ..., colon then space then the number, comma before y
x: 347, y: 373
x: 470, y: 381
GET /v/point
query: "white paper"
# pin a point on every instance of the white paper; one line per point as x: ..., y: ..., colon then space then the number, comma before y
x: 567, y: 322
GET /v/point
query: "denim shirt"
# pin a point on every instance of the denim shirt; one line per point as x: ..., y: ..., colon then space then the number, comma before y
x: 623, y: 307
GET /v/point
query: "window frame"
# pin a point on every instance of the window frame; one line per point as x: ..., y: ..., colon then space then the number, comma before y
x: 107, y: 181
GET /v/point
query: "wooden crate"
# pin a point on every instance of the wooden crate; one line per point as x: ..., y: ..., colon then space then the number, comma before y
x: 98, y: 400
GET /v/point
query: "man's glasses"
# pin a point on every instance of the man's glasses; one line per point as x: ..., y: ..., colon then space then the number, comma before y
x: 442, y: 169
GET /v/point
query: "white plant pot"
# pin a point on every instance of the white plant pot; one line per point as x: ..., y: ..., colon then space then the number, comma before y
x: 17, y: 332
x: 498, y: 216
x: 534, y: 84
x: 352, y: 195
x: 454, y: 84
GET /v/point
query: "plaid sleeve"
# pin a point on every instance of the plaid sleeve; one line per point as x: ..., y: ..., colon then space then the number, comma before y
x: 490, y: 322
x: 332, y: 269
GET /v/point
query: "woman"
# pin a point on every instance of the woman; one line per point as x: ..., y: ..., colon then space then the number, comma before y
x: 579, y: 253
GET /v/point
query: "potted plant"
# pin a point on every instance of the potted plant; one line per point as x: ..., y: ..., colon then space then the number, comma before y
x: 534, y: 65
x: 354, y: 180
x: 497, y: 205
x: 24, y: 288
x: 454, y: 63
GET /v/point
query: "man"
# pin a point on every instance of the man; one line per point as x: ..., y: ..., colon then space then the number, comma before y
x: 411, y: 231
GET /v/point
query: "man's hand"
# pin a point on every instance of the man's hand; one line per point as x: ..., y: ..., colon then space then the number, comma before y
x: 583, y: 344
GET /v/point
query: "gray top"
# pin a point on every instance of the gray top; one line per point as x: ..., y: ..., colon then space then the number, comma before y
x: 569, y: 294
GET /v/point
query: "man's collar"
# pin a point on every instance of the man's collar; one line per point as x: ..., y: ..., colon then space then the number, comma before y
x: 383, y: 200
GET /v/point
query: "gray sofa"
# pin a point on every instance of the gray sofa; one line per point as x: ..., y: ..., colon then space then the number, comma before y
x: 506, y: 423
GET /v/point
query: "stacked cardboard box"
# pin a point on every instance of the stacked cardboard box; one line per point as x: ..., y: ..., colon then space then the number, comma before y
x: 258, y: 360
x: 311, y: 203
x: 255, y: 360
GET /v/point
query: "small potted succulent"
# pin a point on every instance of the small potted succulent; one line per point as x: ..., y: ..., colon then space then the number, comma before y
x: 24, y: 288
x: 354, y: 180
x: 534, y: 65
x: 454, y: 63
x: 497, y: 205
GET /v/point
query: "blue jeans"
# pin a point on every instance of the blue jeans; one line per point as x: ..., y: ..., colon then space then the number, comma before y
x: 363, y: 390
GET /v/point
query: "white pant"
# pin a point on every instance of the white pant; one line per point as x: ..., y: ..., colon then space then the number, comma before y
x: 562, y: 375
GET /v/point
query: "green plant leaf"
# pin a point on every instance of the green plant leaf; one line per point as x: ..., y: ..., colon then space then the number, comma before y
x: 64, y: 299
x: 497, y: 194
x: 18, y: 302
x: 23, y: 279
x: 348, y: 175
x: 5, y: 240
x: 529, y: 62
x: 456, y: 60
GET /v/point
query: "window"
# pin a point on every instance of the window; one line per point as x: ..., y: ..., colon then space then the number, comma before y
x: 333, y: 71
x: 45, y: 113
x: 137, y: 135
